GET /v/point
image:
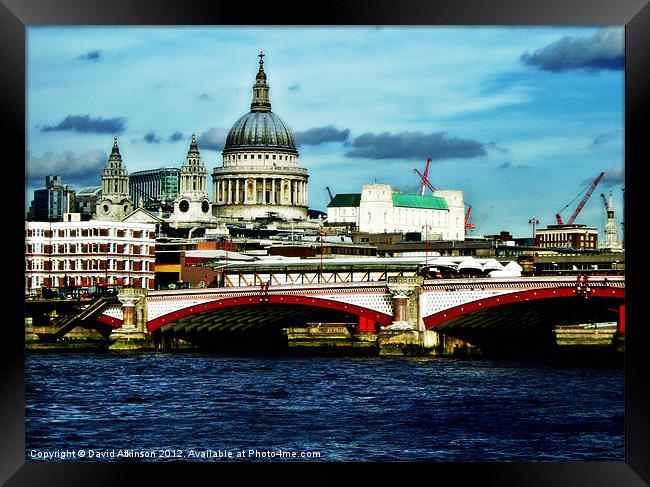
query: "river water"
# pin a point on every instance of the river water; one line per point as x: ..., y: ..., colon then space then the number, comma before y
x: 191, y: 406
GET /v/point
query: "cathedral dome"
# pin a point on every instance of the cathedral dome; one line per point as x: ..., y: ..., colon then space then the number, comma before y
x: 260, y: 130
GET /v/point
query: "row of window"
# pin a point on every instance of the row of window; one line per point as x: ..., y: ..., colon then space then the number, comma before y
x: 86, y: 248
x: 92, y: 264
x: 239, y: 157
x: 89, y: 232
x: 416, y: 217
x: 36, y: 282
x: 564, y: 237
x: 403, y: 216
x: 567, y: 243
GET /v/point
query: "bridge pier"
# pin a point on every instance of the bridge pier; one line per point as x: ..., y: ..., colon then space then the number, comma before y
x: 618, y: 340
x: 132, y: 335
x: 407, y: 334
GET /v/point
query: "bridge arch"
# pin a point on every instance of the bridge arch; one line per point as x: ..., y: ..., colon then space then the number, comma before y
x: 438, y: 319
x: 366, y: 317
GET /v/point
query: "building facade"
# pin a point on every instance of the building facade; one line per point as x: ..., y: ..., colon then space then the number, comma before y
x: 575, y: 236
x: 89, y: 253
x: 86, y: 201
x: 115, y: 202
x: 381, y: 209
x: 154, y: 187
x: 50, y: 203
x: 260, y: 176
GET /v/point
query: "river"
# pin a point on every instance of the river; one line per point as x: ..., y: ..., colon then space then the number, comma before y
x: 196, y: 407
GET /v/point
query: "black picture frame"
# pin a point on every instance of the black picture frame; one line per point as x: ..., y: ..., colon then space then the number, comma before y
x: 16, y: 15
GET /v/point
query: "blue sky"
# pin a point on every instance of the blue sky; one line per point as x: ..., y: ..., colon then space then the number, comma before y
x: 522, y: 119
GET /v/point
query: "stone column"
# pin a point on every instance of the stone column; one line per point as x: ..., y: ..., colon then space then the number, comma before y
x: 237, y: 191
x: 132, y: 335
x: 254, y: 191
x: 273, y: 191
x: 264, y: 191
x: 401, y: 288
x: 129, y: 297
x: 306, y: 195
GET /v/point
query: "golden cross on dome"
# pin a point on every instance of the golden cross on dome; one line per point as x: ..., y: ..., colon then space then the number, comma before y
x: 261, y: 55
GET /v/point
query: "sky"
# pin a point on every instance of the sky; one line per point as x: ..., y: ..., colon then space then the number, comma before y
x: 521, y: 119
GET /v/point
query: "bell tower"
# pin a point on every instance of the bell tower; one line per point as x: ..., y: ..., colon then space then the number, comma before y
x: 192, y: 204
x: 115, y: 203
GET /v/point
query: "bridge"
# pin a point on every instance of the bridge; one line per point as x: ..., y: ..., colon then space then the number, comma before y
x: 408, y: 310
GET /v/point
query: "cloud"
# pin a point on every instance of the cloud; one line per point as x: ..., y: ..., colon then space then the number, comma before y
x: 212, y: 139
x: 320, y: 135
x: 510, y: 165
x: 414, y: 145
x: 151, y: 138
x: 204, y: 97
x: 85, y: 124
x: 79, y: 168
x: 603, y: 50
x: 606, y: 137
x: 176, y: 136
x: 498, y: 148
x: 91, y: 56
x: 294, y: 88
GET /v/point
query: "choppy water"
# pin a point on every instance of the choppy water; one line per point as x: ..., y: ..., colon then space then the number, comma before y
x: 343, y: 409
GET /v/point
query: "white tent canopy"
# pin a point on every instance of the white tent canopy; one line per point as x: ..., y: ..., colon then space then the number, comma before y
x: 492, y: 265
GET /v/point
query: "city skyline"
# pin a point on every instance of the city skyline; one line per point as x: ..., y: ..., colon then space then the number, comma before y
x: 521, y: 119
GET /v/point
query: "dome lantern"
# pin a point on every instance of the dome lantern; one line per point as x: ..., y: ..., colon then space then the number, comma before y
x: 261, y: 101
x: 260, y: 129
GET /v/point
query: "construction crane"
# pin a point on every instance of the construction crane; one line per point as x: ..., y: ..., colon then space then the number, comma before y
x: 468, y: 225
x: 159, y: 204
x: 582, y: 203
x: 423, y: 187
x: 329, y: 193
x: 425, y: 179
x: 606, y: 204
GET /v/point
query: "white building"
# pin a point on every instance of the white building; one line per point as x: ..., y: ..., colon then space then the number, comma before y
x: 89, y: 253
x: 612, y: 243
x: 381, y: 209
x: 260, y: 177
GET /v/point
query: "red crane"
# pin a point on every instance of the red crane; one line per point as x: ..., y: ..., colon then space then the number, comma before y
x: 582, y: 203
x: 469, y: 226
x: 423, y: 186
x: 425, y: 182
x: 425, y: 178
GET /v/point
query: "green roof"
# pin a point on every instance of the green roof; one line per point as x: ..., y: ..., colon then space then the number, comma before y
x: 417, y: 201
x: 345, y: 200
